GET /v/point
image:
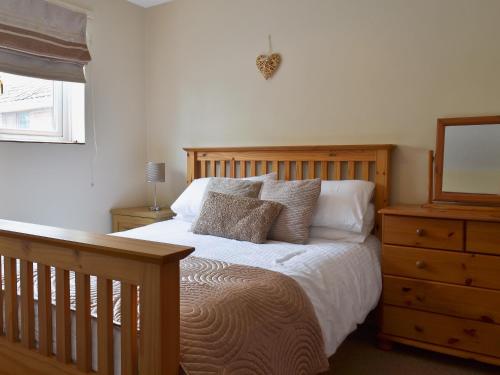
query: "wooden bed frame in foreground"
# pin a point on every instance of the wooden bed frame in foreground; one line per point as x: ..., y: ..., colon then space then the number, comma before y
x: 151, y: 267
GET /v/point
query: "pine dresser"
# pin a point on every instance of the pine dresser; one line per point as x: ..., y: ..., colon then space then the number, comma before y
x: 441, y: 277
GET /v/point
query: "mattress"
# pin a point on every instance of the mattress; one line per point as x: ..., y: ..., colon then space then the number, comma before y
x: 342, y: 280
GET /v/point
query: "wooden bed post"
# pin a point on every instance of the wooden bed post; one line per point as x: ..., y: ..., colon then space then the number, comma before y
x: 191, y: 166
x: 160, y: 303
x: 382, y: 183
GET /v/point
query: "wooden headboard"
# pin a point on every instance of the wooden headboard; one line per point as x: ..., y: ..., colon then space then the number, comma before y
x: 360, y: 162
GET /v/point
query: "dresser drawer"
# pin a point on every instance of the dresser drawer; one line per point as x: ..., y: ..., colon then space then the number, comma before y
x: 423, y: 232
x: 123, y: 223
x: 483, y: 237
x: 445, y: 266
x: 456, y: 300
x: 442, y: 330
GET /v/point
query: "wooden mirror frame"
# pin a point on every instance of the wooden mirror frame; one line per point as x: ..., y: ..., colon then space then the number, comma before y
x: 439, y: 194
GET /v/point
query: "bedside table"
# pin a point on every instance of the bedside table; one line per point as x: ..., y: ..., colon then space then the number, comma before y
x: 130, y: 218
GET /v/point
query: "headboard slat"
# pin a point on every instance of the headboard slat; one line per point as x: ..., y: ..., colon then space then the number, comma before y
x: 298, y: 162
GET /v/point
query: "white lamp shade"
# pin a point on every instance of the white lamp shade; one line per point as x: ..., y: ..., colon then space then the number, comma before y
x: 155, y: 172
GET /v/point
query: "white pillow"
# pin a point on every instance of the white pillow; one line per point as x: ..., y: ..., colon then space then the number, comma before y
x: 343, y: 204
x: 346, y: 236
x: 188, y: 205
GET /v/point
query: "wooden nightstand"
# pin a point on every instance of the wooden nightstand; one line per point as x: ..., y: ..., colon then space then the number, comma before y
x: 441, y: 269
x: 130, y: 218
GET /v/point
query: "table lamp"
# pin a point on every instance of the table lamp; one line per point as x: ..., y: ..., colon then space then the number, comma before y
x: 155, y: 172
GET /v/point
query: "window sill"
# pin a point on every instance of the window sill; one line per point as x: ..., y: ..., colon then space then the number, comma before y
x: 41, y: 141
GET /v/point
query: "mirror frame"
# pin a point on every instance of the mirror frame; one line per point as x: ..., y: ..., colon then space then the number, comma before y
x: 439, y: 194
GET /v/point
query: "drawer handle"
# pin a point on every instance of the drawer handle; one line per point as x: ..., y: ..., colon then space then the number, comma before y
x: 487, y: 319
x: 470, y: 332
x: 421, y: 264
x: 452, y: 340
x: 420, y: 232
x: 419, y: 328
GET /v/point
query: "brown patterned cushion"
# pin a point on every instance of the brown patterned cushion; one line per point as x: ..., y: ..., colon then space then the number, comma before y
x: 299, y: 200
x: 232, y: 186
x: 237, y: 218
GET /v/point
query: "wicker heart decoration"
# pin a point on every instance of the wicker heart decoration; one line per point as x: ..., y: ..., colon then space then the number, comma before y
x: 268, y: 64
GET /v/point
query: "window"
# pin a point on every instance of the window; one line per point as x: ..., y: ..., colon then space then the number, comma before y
x: 39, y: 110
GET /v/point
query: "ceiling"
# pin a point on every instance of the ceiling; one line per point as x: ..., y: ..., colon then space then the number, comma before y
x: 148, y: 3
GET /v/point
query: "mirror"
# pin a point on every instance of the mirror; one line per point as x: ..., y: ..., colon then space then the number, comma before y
x: 468, y: 160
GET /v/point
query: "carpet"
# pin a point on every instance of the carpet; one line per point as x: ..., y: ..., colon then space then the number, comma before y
x: 359, y: 355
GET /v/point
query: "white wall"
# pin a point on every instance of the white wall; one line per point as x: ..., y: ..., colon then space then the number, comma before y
x: 353, y: 72
x: 51, y: 184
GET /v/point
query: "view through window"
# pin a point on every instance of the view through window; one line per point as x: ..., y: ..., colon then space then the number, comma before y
x: 33, y: 109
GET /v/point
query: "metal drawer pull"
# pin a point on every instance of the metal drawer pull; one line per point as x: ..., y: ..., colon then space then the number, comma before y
x: 419, y: 328
x: 421, y: 264
x: 420, y: 232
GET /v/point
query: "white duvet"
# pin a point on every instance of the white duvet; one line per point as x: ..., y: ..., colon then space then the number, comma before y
x: 342, y: 280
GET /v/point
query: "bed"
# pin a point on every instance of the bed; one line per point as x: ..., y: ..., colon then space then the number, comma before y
x: 144, y: 258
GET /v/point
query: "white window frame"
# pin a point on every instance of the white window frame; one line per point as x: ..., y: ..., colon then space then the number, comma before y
x: 69, y: 116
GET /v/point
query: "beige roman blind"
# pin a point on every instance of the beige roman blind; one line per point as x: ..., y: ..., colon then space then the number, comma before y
x: 43, y: 40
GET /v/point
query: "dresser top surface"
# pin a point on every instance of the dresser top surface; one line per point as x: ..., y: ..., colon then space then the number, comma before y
x: 443, y: 211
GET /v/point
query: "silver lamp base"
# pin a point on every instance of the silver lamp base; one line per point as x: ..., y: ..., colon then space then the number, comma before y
x: 155, y: 207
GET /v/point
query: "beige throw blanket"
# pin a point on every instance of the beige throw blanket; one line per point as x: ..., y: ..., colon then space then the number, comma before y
x: 237, y: 320
x: 246, y: 320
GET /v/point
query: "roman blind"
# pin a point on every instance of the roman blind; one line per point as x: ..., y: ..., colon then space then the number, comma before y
x: 43, y: 40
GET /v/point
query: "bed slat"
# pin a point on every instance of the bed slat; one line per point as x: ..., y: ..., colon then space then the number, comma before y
x: 232, y: 168
x: 287, y: 170
x: 253, y: 168
x: 63, y: 317
x: 263, y: 166
x: 129, y: 329
x: 324, y: 170
x: 83, y: 333
x: 27, y: 305
x: 311, y: 172
x: 44, y: 310
x: 213, y: 168
x: 338, y: 170
x: 105, y: 326
x: 223, y: 168
x: 298, y: 170
x: 243, y: 168
x: 11, y: 319
x: 351, y: 170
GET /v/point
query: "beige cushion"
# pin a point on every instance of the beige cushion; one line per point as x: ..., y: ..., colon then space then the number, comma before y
x: 299, y: 200
x: 237, y: 218
x: 233, y: 186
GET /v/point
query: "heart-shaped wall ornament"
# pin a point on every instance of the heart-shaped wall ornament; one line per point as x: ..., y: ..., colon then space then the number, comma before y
x: 268, y: 64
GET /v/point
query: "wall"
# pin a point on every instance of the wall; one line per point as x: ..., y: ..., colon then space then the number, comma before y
x: 51, y: 184
x: 353, y: 72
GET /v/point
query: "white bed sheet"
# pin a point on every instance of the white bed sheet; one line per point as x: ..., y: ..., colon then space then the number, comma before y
x: 342, y: 280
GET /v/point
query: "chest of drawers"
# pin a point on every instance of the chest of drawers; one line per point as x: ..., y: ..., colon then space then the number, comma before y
x: 441, y: 276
